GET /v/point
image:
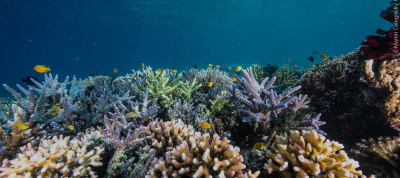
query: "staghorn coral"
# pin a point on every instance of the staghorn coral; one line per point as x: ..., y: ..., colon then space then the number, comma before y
x: 55, y: 157
x: 218, y: 104
x: 112, y: 134
x: 188, y: 153
x: 261, y: 101
x: 285, y: 77
x: 258, y: 72
x: 160, y: 88
x: 309, y: 155
x: 187, y: 90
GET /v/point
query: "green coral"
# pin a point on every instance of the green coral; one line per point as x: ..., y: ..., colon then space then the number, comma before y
x: 258, y: 72
x: 160, y: 88
x: 187, y: 90
x: 285, y: 77
x: 218, y: 104
x: 287, y: 121
x: 55, y: 109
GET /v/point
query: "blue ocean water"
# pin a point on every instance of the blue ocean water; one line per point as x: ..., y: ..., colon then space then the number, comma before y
x: 79, y: 37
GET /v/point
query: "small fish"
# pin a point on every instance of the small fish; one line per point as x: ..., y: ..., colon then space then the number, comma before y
x: 238, y: 68
x: 195, y: 66
x: 174, y: 71
x: 289, y: 60
x: 230, y: 68
x: 218, y: 66
x: 324, y: 56
x: 210, y: 84
x: 258, y: 145
x: 235, y: 79
x: 142, y: 65
x: 41, y: 69
x: 3, y: 102
x: 209, y: 68
x: 115, y: 71
x: 205, y: 54
x: 315, y: 52
x: 311, y: 58
x: 158, y: 71
x: 70, y: 127
x: 131, y: 115
x: 21, y: 125
x: 205, y: 125
x: 76, y: 81
x: 29, y: 79
x: 210, y: 65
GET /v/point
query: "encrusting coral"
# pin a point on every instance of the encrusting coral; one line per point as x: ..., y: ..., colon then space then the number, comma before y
x: 309, y: 154
x: 384, y: 77
x: 186, y: 152
x: 54, y: 158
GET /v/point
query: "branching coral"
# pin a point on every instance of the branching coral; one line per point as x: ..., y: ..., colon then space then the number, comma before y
x: 56, y: 157
x: 192, y: 154
x: 285, y: 77
x: 261, y: 101
x: 376, y: 150
x: 310, y: 155
x: 160, y: 88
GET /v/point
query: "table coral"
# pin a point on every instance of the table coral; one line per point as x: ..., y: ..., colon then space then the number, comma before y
x: 309, y: 154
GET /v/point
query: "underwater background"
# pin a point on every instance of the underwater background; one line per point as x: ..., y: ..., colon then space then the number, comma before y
x: 82, y: 37
x: 157, y: 88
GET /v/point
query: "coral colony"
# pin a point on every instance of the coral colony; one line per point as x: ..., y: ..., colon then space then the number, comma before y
x: 214, y: 122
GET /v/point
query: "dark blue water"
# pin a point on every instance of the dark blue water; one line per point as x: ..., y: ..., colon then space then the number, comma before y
x: 78, y: 37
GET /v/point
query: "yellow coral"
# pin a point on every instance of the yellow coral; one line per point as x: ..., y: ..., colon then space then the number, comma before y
x: 309, y: 154
x: 54, y: 157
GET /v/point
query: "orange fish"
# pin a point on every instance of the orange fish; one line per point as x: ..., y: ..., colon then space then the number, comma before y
x: 21, y: 125
x: 115, y: 70
x: 235, y: 79
x: 230, y: 68
x: 158, y: 71
x: 174, y: 71
x: 324, y: 56
x: 41, y: 69
x: 258, y: 145
x: 142, y: 65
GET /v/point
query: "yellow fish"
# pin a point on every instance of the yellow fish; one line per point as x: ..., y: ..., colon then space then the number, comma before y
x: 324, y: 56
x: 70, y: 127
x: 210, y: 65
x: 289, y: 60
x: 258, y: 145
x: 174, y: 71
x: 131, y: 115
x: 235, y: 79
x: 205, y: 125
x: 41, y: 69
x: 230, y: 68
x: 142, y: 65
x: 209, y: 68
x: 238, y: 68
x: 210, y: 84
x: 115, y: 70
x: 218, y: 66
x: 21, y: 125
x: 76, y: 81
x: 158, y: 71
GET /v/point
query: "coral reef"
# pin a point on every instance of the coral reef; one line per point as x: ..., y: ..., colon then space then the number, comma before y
x: 309, y: 155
